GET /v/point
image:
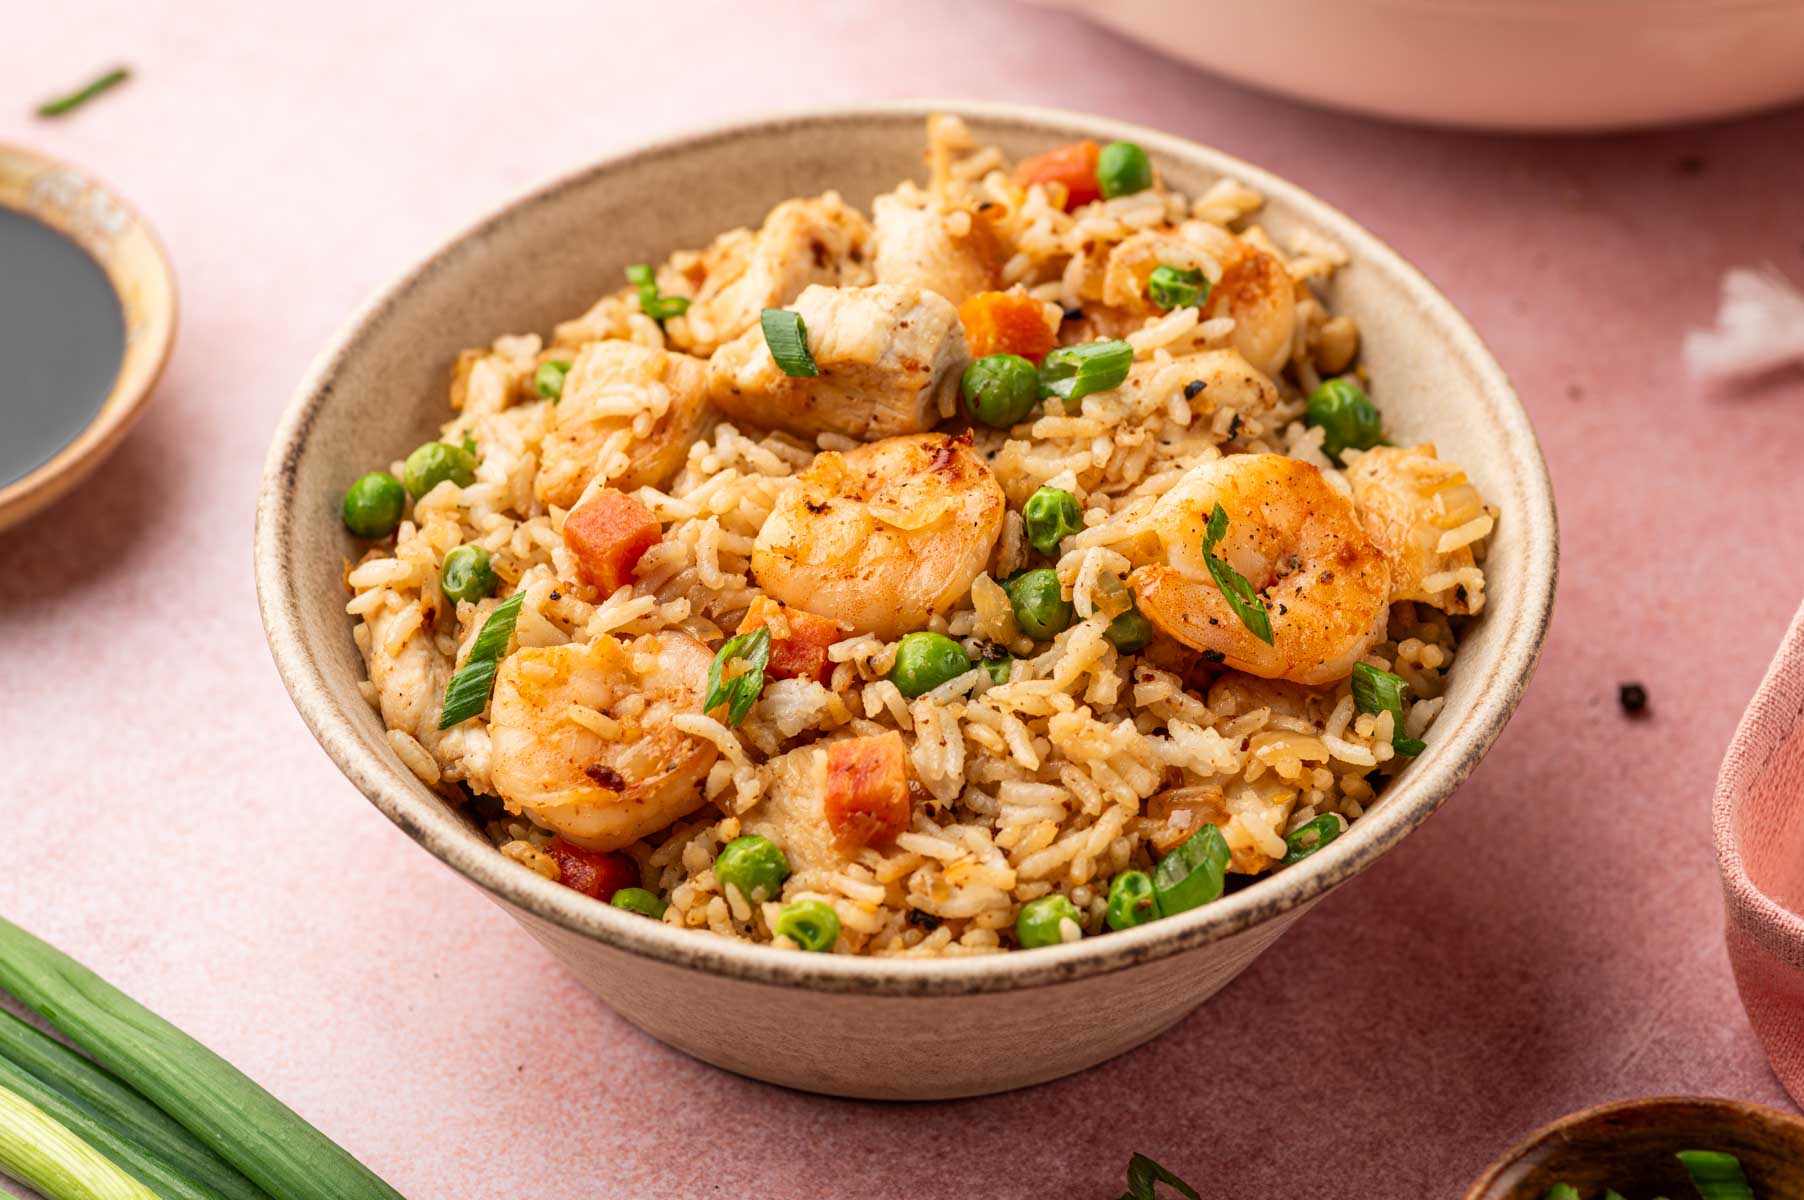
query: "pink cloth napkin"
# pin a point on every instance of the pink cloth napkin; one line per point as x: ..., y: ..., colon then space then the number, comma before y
x: 1759, y: 820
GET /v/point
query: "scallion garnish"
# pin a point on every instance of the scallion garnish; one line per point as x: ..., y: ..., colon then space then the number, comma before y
x: 787, y: 338
x: 228, y: 1113
x: 1717, y: 1176
x: 1171, y: 288
x: 1143, y: 1177
x: 79, y: 97
x: 1376, y: 691
x: 41, y: 1151
x: 468, y: 692
x: 1073, y: 372
x: 740, y: 692
x: 548, y: 380
x: 1234, y: 586
x: 1311, y: 836
x: 651, y: 303
x: 1194, y: 873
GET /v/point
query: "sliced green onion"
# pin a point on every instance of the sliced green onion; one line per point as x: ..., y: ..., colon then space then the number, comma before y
x: 1234, y: 586
x: 1073, y: 372
x: 1306, y: 839
x: 810, y: 924
x: 1561, y: 1191
x: 740, y: 692
x: 1376, y: 691
x: 1194, y: 873
x: 28, y: 1058
x: 38, y: 1150
x: 787, y: 338
x: 1171, y: 288
x: 1717, y: 1176
x: 1144, y: 1176
x: 468, y: 692
x: 114, y: 1144
x: 548, y: 380
x: 218, y: 1104
x: 999, y: 669
x: 651, y: 303
x: 79, y: 97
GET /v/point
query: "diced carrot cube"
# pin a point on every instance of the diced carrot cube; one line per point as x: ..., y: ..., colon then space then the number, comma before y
x: 1007, y: 323
x: 867, y: 789
x: 1072, y: 167
x: 799, y: 639
x: 608, y: 535
x: 591, y: 872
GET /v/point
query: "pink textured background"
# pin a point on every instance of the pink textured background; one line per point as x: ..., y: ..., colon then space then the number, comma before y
x: 1552, y: 940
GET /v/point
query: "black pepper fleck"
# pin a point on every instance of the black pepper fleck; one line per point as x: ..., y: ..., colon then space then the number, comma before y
x: 1689, y: 164
x: 923, y: 920
x: 1632, y: 697
x: 1074, y: 314
x: 1214, y: 656
x: 1193, y: 389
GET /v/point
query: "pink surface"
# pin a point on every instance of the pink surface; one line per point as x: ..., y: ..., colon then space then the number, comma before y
x: 1552, y: 940
x: 1759, y: 820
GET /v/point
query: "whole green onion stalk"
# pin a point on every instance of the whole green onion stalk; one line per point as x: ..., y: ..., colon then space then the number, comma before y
x: 41, y: 1152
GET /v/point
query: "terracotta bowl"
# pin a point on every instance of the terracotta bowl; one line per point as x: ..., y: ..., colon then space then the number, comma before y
x: 1630, y: 1146
x: 97, y: 219
x: 839, y: 1024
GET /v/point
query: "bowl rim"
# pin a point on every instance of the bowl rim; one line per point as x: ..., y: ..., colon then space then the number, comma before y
x: 1745, y: 1112
x: 75, y: 459
x: 395, y: 792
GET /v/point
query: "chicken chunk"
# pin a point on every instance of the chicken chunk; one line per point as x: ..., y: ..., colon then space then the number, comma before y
x: 889, y: 358
x: 921, y: 242
x: 821, y: 240
x: 628, y: 413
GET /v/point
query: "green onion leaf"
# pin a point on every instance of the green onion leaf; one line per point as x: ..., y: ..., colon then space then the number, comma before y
x: 29, y: 1057
x: 1376, y: 691
x: 79, y: 97
x: 1306, y: 839
x: 468, y: 692
x: 787, y: 338
x: 1171, y: 288
x: 1144, y: 1175
x: 1234, y: 586
x: 1561, y: 1191
x: 740, y: 692
x: 1073, y: 372
x: 548, y: 380
x: 1194, y: 873
x: 41, y: 1151
x: 214, y: 1101
x: 653, y: 305
x: 1717, y: 1176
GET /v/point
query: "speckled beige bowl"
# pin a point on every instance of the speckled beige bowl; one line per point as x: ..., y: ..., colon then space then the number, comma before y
x: 854, y: 1026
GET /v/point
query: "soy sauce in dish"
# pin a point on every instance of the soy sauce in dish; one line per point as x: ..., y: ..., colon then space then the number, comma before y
x: 62, y: 338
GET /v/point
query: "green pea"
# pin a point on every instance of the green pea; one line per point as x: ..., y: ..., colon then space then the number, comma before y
x: 1041, y: 609
x: 435, y: 462
x: 1192, y: 874
x: 468, y: 574
x: 1131, y: 900
x: 1129, y: 632
x: 926, y: 660
x: 1000, y: 389
x: 1123, y: 169
x: 641, y: 901
x: 754, y: 865
x: 1347, y: 416
x: 1051, y: 515
x: 373, y: 505
x: 1042, y: 922
x: 548, y: 380
x: 810, y: 924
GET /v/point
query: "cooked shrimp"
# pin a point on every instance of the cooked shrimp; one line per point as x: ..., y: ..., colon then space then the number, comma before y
x: 629, y: 413
x: 582, y: 740
x: 1426, y: 516
x: 1254, y: 289
x: 1299, y: 543
x: 882, y: 537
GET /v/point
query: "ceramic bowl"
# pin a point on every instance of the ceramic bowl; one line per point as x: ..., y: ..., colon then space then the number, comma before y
x: 857, y: 1026
x: 1542, y: 65
x: 97, y: 219
x: 1630, y: 1146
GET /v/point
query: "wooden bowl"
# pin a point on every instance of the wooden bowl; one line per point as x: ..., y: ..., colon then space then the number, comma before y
x: 874, y: 1027
x: 97, y: 219
x: 1630, y: 1146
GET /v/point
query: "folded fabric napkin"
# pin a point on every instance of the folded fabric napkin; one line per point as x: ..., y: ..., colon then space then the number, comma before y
x: 1759, y: 820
